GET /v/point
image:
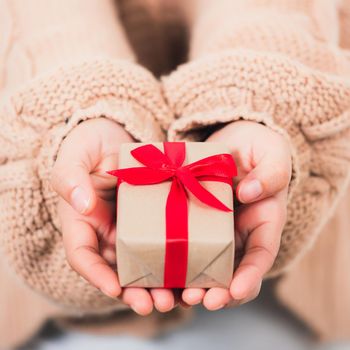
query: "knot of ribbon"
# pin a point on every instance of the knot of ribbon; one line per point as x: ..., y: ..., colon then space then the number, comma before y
x: 168, y: 166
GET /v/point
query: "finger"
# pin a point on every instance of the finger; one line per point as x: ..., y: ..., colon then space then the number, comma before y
x: 251, y: 296
x: 216, y: 298
x: 102, y: 219
x: 82, y: 252
x: 163, y: 299
x: 193, y: 296
x: 264, y: 222
x: 70, y: 177
x: 271, y: 175
x: 138, y: 299
x: 108, y: 254
x: 248, y: 277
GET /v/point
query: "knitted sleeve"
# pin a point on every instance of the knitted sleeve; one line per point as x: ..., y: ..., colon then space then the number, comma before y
x: 62, y: 63
x: 277, y: 63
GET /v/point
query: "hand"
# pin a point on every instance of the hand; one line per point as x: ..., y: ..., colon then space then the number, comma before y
x: 263, y: 159
x: 87, y: 211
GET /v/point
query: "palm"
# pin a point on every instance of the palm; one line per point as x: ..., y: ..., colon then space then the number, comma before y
x: 89, y: 151
x: 260, y: 154
x: 248, y: 216
x: 101, y: 220
x: 249, y: 147
x: 103, y: 217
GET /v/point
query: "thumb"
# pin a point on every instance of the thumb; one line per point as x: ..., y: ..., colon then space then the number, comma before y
x: 71, y: 180
x: 270, y: 176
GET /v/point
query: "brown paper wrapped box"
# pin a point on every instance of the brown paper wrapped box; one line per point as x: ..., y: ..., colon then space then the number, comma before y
x: 141, y: 235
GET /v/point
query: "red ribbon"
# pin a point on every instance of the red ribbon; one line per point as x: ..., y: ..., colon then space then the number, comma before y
x: 160, y: 167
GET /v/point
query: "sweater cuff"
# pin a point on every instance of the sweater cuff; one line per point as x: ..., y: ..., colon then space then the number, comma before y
x: 64, y: 95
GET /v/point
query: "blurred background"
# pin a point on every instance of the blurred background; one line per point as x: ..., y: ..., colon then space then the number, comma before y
x: 262, y: 324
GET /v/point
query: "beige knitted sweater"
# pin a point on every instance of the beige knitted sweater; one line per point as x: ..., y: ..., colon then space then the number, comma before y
x: 279, y: 62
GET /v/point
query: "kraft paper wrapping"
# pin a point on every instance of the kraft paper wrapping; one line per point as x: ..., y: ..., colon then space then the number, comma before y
x: 141, y: 235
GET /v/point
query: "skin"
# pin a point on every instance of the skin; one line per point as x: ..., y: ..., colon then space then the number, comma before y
x: 264, y: 155
x: 87, y: 206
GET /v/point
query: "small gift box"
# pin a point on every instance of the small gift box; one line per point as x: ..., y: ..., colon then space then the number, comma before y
x: 175, y: 225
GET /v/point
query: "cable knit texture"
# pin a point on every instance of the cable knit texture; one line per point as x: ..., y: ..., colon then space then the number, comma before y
x: 278, y: 62
x: 97, y: 78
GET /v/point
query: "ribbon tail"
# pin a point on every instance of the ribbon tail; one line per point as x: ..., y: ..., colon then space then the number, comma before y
x: 221, y: 165
x: 176, y: 250
x: 193, y: 185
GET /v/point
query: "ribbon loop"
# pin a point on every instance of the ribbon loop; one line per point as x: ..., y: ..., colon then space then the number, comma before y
x: 144, y: 176
x: 216, y: 165
x: 176, y: 152
x: 151, y: 157
x: 193, y: 185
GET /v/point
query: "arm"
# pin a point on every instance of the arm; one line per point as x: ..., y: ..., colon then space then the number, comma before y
x: 275, y: 63
x: 63, y: 64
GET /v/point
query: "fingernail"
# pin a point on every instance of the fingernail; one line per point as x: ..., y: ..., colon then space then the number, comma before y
x: 250, y: 191
x: 80, y: 200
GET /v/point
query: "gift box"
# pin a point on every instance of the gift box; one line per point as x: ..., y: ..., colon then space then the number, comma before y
x: 174, y: 220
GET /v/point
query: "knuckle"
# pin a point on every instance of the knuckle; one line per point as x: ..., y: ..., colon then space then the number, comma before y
x: 268, y: 253
x: 252, y: 267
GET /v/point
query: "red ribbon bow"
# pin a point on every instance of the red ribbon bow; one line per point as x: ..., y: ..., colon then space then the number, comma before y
x: 160, y: 167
